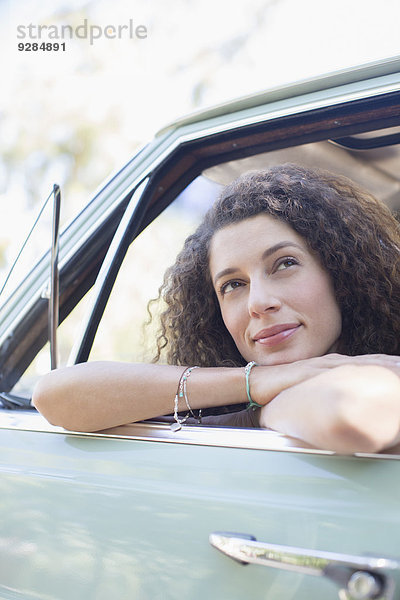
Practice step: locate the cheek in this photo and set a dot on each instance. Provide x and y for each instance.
(320, 302)
(233, 319)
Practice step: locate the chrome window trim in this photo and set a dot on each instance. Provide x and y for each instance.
(223, 437)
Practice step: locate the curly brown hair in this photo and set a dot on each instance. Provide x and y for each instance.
(355, 236)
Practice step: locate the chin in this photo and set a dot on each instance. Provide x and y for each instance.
(284, 358)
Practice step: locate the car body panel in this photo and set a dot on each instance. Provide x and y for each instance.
(351, 75)
(89, 516)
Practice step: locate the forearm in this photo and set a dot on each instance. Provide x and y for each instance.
(99, 395)
(348, 409)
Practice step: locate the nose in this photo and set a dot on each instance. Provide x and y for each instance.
(262, 299)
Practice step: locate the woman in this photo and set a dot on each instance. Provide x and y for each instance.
(296, 273)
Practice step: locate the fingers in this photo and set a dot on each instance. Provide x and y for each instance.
(269, 381)
(380, 360)
(334, 360)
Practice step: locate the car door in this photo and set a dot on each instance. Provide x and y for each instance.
(130, 513)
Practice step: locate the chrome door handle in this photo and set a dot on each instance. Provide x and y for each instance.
(359, 577)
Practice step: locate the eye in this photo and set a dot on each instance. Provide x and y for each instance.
(229, 286)
(285, 263)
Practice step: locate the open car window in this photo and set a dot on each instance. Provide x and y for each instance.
(178, 177)
(124, 332)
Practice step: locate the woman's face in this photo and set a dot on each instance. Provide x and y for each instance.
(276, 299)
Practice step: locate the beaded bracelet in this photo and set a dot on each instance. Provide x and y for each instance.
(182, 393)
(247, 370)
(183, 390)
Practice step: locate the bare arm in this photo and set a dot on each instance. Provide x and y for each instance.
(348, 409)
(100, 395)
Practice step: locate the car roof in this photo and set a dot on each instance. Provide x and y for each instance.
(354, 74)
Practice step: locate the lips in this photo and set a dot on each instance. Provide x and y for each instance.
(276, 334)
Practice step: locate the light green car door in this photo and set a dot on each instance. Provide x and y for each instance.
(94, 517)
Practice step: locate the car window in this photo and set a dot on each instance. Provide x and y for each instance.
(67, 332)
(123, 333)
(30, 243)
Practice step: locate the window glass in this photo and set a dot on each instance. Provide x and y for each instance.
(31, 240)
(66, 336)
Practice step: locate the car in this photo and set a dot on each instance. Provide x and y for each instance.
(140, 511)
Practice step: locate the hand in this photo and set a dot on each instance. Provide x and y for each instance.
(349, 409)
(268, 381)
(391, 362)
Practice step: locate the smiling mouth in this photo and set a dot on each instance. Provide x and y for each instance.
(276, 335)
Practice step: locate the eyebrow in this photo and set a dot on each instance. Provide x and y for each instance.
(279, 246)
(268, 252)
